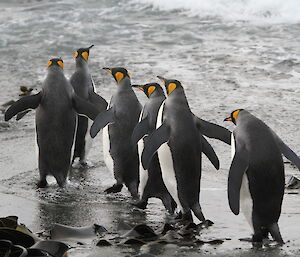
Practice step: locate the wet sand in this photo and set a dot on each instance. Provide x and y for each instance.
(83, 203)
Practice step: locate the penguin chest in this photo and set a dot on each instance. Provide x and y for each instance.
(246, 202)
(167, 164)
(106, 148)
(143, 173)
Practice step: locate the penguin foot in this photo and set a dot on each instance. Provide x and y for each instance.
(206, 223)
(141, 204)
(187, 216)
(42, 183)
(178, 216)
(116, 188)
(84, 164)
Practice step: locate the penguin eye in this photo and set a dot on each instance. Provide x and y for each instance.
(119, 76)
(171, 88)
(76, 54)
(61, 64)
(151, 90)
(49, 63)
(85, 56)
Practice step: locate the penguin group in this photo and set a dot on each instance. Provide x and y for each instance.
(155, 150)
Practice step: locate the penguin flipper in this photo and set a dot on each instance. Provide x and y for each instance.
(98, 101)
(287, 152)
(237, 169)
(212, 130)
(210, 152)
(83, 107)
(103, 119)
(153, 142)
(24, 103)
(20, 115)
(140, 130)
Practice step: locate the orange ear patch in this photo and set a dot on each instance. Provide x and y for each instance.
(151, 90)
(235, 114)
(61, 64)
(85, 56)
(119, 76)
(171, 88)
(76, 54)
(49, 63)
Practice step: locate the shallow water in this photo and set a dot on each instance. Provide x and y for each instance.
(245, 56)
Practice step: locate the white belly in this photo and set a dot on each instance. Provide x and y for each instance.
(106, 147)
(143, 173)
(88, 140)
(168, 173)
(246, 202)
(166, 164)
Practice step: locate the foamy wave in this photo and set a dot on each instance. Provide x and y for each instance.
(277, 11)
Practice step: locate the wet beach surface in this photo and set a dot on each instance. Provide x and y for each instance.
(224, 65)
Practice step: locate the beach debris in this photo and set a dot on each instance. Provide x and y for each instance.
(293, 183)
(25, 90)
(63, 232)
(133, 241)
(141, 231)
(18, 251)
(5, 246)
(54, 248)
(13, 235)
(16, 237)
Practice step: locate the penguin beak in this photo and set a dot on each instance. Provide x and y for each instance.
(228, 119)
(107, 70)
(161, 78)
(90, 47)
(138, 87)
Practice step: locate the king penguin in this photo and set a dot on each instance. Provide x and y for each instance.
(256, 176)
(84, 86)
(179, 143)
(56, 107)
(151, 182)
(118, 123)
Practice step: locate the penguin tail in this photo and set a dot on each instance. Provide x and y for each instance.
(198, 212)
(275, 233)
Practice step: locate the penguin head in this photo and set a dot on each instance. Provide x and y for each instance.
(149, 88)
(56, 62)
(83, 53)
(171, 84)
(233, 116)
(118, 73)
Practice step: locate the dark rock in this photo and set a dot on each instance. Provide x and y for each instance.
(103, 242)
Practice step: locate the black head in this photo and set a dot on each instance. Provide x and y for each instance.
(149, 88)
(56, 61)
(118, 73)
(170, 84)
(83, 53)
(234, 115)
